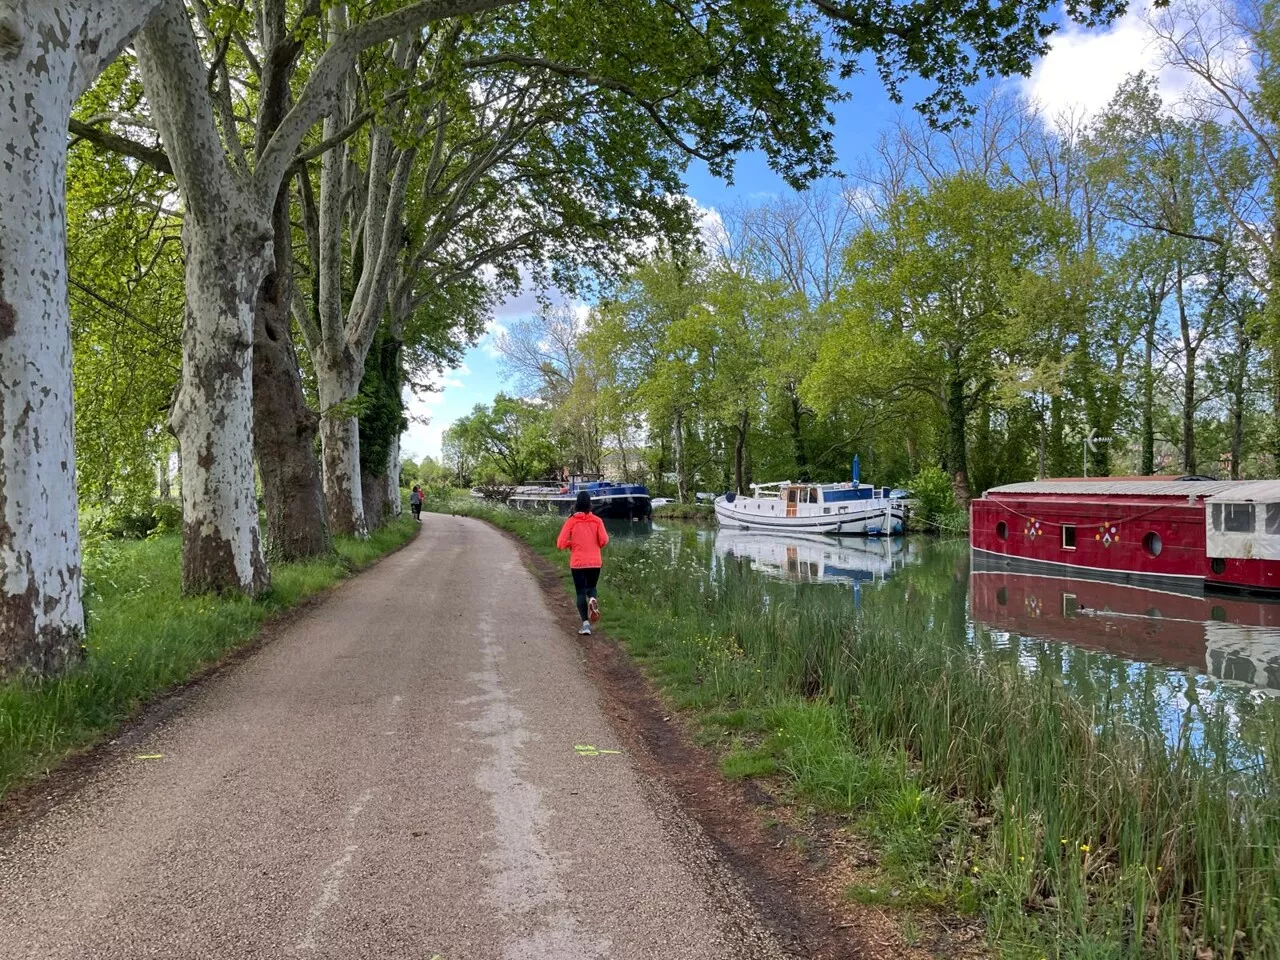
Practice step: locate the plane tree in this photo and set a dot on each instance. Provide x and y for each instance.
(51, 52)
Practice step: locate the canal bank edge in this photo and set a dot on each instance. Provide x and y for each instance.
(795, 864)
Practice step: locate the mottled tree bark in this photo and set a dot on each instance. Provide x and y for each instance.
(49, 53)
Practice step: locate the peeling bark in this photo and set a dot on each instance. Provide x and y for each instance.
(227, 241)
(376, 505)
(393, 478)
(49, 53)
(338, 380)
(284, 426)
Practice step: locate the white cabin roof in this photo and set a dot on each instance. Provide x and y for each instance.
(1243, 491)
(1233, 491)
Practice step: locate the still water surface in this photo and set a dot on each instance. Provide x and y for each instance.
(1168, 661)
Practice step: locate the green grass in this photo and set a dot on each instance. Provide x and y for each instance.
(684, 511)
(986, 787)
(144, 637)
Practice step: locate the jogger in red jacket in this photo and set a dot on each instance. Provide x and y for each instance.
(583, 535)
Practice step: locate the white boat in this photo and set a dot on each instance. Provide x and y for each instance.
(813, 558)
(857, 509)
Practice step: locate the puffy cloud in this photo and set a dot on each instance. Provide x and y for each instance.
(1085, 67)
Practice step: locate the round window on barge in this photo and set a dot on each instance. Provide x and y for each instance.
(1002, 530)
(1219, 566)
(1152, 544)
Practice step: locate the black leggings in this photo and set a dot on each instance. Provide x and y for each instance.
(584, 584)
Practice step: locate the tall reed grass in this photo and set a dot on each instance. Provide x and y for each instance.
(144, 637)
(1076, 829)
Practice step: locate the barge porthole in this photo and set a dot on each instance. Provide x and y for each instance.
(1152, 544)
(1219, 566)
(1002, 530)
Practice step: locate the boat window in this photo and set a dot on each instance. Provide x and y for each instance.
(1152, 544)
(1002, 530)
(1273, 518)
(1215, 519)
(1068, 537)
(1002, 596)
(826, 509)
(1218, 566)
(1070, 605)
(1237, 517)
(813, 494)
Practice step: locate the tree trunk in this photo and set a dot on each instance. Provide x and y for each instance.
(1148, 466)
(1042, 447)
(1188, 382)
(1239, 374)
(226, 236)
(338, 380)
(394, 505)
(374, 491)
(213, 413)
(739, 451)
(797, 435)
(682, 478)
(284, 426)
(41, 617)
(957, 454)
(164, 489)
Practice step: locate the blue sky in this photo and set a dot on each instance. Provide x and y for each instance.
(1082, 70)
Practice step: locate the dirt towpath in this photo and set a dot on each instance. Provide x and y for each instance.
(396, 775)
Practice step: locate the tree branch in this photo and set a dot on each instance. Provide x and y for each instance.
(322, 86)
(154, 157)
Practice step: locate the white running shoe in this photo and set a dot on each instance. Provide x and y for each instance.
(586, 629)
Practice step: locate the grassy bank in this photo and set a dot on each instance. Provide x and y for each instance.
(684, 511)
(984, 787)
(144, 637)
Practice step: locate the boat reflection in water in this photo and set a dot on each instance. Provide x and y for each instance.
(1236, 640)
(814, 558)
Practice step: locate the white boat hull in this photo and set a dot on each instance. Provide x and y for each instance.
(866, 518)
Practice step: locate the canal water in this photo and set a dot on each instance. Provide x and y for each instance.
(1165, 660)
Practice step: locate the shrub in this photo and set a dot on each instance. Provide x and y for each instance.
(934, 496)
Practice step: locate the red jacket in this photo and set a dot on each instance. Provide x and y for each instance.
(583, 535)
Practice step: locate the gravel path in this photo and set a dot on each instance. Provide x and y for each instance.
(396, 775)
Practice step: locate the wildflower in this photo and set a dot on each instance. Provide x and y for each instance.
(1022, 859)
(1084, 847)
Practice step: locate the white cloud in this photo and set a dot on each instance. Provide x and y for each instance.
(423, 408)
(1084, 67)
(489, 342)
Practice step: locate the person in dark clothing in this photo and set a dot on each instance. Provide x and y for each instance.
(583, 535)
(415, 502)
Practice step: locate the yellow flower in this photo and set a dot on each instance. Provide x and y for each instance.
(1084, 847)
(1022, 859)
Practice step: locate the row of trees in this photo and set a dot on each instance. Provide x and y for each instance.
(981, 299)
(367, 181)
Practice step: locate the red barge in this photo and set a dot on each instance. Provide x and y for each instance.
(1184, 536)
(1236, 639)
